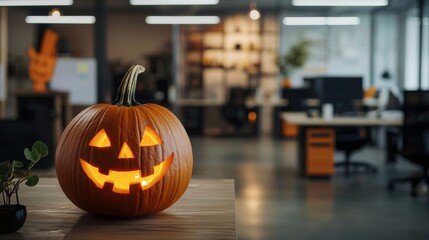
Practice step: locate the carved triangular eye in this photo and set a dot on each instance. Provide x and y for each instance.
(150, 138)
(100, 140)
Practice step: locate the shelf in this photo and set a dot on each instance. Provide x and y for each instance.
(237, 52)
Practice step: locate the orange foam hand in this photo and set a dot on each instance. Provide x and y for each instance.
(42, 64)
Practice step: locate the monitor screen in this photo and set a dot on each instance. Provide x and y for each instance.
(342, 92)
(310, 84)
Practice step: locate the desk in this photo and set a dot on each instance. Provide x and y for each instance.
(307, 123)
(205, 211)
(205, 116)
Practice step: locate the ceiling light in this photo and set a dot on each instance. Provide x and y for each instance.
(340, 2)
(174, 2)
(254, 13)
(182, 19)
(321, 21)
(55, 12)
(60, 19)
(35, 2)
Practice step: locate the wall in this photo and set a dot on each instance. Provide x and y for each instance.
(21, 34)
(335, 50)
(129, 38)
(77, 39)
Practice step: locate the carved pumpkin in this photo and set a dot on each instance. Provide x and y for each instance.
(124, 159)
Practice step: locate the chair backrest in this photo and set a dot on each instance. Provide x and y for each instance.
(296, 98)
(237, 96)
(415, 129)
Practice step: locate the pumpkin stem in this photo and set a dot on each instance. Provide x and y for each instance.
(127, 88)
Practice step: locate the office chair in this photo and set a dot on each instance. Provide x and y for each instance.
(234, 110)
(350, 139)
(415, 137)
(295, 98)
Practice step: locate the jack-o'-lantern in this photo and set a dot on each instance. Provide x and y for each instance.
(124, 159)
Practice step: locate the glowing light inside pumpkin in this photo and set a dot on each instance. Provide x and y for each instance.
(100, 140)
(122, 180)
(125, 152)
(150, 138)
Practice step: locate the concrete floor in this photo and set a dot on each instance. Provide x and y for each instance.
(273, 202)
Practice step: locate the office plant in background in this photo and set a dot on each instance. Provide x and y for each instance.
(295, 58)
(12, 174)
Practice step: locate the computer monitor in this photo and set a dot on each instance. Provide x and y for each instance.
(342, 92)
(310, 84)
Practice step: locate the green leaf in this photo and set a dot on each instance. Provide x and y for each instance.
(35, 155)
(32, 181)
(20, 173)
(40, 148)
(5, 168)
(28, 154)
(17, 164)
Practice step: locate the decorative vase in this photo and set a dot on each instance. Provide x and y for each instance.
(12, 218)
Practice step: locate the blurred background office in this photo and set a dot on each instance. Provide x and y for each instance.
(303, 103)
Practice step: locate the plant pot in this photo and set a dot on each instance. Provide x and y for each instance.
(12, 218)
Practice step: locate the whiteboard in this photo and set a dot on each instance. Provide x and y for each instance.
(78, 77)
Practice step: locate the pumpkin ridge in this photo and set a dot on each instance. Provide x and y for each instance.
(67, 132)
(140, 194)
(167, 178)
(178, 187)
(146, 113)
(98, 117)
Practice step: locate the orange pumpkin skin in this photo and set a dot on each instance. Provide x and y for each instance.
(124, 124)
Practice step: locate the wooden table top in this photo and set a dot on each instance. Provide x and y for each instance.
(205, 211)
(301, 119)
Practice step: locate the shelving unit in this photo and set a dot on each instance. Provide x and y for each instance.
(238, 52)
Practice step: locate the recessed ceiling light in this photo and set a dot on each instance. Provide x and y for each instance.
(321, 21)
(174, 2)
(182, 19)
(60, 19)
(35, 2)
(340, 2)
(254, 13)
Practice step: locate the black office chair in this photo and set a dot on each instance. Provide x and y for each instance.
(349, 140)
(234, 110)
(415, 137)
(295, 99)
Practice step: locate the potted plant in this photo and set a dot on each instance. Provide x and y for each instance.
(12, 174)
(295, 58)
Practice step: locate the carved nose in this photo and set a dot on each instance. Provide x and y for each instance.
(125, 152)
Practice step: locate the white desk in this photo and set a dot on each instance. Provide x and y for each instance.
(301, 119)
(305, 123)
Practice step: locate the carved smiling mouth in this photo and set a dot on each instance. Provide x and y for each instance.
(122, 180)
